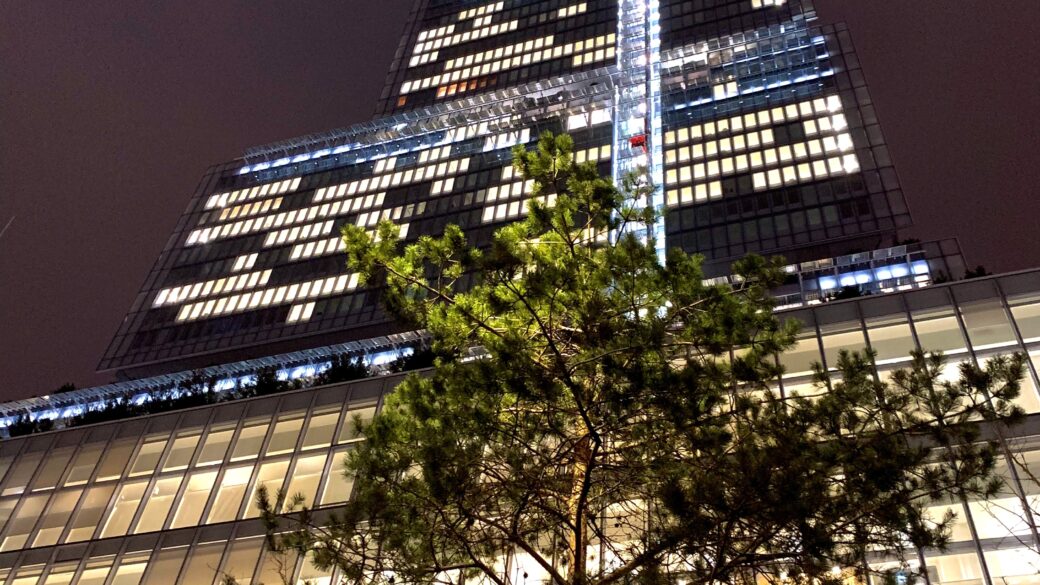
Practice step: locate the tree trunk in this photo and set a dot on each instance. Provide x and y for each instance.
(576, 561)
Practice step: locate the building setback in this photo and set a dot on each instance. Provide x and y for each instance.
(753, 121)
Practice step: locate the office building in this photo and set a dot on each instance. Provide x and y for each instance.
(753, 121)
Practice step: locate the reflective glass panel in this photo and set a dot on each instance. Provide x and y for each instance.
(338, 484)
(939, 331)
(349, 430)
(125, 507)
(192, 503)
(23, 521)
(18, 479)
(271, 476)
(283, 439)
(147, 457)
(241, 559)
(56, 517)
(84, 463)
(94, 576)
(799, 359)
(117, 455)
(181, 452)
(249, 441)
(89, 514)
(1027, 317)
(320, 430)
(52, 469)
(160, 500)
(202, 566)
(987, 324)
(129, 574)
(166, 566)
(215, 447)
(304, 480)
(229, 494)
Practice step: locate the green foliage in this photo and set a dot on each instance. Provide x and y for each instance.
(621, 424)
(977, 272)
(24, 425)
(846, 292)
(343, 368)
(199, 391)
(422, 357)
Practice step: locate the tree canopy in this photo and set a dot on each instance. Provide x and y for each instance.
(598, 416)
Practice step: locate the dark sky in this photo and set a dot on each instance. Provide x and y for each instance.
(110, 112)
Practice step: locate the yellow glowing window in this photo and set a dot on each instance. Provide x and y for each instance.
(759, 180)
(701, 192)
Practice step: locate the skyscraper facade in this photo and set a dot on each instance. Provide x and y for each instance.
(753, 122)
(755, 125)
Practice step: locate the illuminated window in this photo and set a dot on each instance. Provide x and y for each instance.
(181, 451)
(229, 494)
(283, 439)
(338, 484)
(22, 522)
(158, 505)
(18, 478)
(129, 573)
(56, 517)
(304, 479)
(203, 562)
(127, 501)
(117, 455)
(52, 469)
(270, 476)
(320, 430)
(249, 441)
(215, 447)
(191, 504)
(241, 559)
(95, 575)
(89, 514)
(147, 457)
(354, 417)
(165, 563)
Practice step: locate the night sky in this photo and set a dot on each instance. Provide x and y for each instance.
(110, 112)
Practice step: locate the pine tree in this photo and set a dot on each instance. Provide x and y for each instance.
(620, 423)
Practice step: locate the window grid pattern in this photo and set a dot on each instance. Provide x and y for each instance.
(304, 434)
(446, 55)
(424, 190)
(190, 475)
(772, 146)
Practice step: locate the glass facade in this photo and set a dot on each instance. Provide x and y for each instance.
(172, 499)
(169, 498)
(771, 142)
(754, 123)
(756, 127)
(255, 266)
(453, 48)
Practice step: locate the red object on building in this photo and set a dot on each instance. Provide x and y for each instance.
(638, 141)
